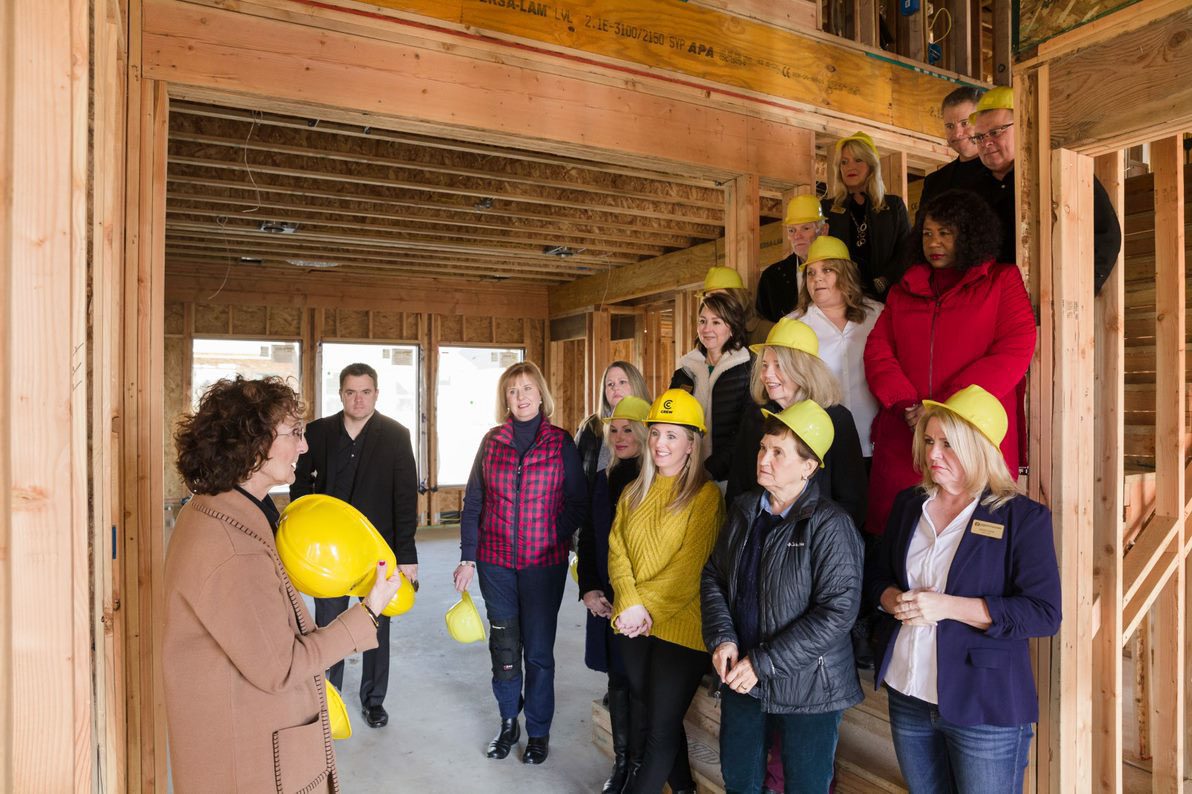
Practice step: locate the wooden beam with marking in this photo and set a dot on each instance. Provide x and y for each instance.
(742, 233)
(1145, 71)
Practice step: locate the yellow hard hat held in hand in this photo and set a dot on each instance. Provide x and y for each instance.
(330, 549)
(463, 620)
(337, 712)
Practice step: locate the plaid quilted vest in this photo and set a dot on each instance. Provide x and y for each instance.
(522, 500)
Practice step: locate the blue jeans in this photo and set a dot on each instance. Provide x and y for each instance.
(808, 746)
(940, 757)
(531, 596)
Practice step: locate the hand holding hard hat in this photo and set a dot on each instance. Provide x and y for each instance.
(330, 549)
(463, 620)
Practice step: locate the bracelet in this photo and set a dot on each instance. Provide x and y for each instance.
(371, 615)
(469, 563)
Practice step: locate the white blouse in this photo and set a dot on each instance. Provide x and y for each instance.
(913, 667)
(844, 353)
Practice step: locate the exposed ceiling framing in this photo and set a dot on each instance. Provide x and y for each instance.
(375, 201)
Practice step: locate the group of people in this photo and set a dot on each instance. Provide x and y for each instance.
(839, 497)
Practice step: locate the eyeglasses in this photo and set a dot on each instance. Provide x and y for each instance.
(298, 432)
(992, 135)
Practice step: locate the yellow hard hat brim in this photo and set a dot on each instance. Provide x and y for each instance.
(933, 404)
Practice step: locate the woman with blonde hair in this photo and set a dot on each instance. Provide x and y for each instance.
(525, 496)
(666, 524)
(788, 369)
(873, 223)
(965, 575)
(832, 303)
(620, 379)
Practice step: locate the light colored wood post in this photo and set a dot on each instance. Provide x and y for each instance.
(958, 50)
(1072, 474)
(1109, 324)
(742, 227)
(894, 174)
(141, 432)
(1167, 673)
(598, 352)
(47, 736)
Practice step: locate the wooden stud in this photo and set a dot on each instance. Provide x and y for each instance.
(1108, 324)
(1003, 31)
(1167, 672)
(894, 174)
(959, 54)
(597, 353)
(1072, 475)
(742, 232)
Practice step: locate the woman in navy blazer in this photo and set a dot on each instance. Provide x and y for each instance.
(965, 575)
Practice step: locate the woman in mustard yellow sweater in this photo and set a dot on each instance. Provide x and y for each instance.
(666, 526)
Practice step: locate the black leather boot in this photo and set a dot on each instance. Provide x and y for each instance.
(503, 742)
(618, 720)
(537, 749)
(637, 740)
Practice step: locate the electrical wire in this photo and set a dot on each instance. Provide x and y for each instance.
(935, 18)
(256, 117)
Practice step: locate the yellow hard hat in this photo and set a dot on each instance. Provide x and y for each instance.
(463, 620)
(573, 566)
(790, 333)
(722, 278)
(861, 138)
(810, 423)
(635, 409)
(1000, 98)
(337, 712)
(826, 247)
(980, 409)
(804, 209)
(331, 549)
(677, 407)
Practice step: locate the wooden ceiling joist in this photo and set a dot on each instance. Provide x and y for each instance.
(315, 206)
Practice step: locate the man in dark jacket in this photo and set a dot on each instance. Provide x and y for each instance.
(993, 132)
(965, 171)
(365, 459)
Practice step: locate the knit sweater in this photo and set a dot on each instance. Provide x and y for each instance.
(655, 556)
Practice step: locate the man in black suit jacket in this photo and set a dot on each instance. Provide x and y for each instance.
(366, 459)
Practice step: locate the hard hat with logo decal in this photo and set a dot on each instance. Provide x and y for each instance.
(463, 620)
(810, 423)
(633, 408)
(677, 407)
(791, 333)
(1000, 98)
(331, 549)
(860, 137)
(337, 713)
(826, 247)
(718, 278)
(804, 209)
(979, 408)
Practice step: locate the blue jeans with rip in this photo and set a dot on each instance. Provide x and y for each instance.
(532, 596)
(941, 757)
(808, 746)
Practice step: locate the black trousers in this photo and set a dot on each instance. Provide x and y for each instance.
(374, 676)
(666, 677)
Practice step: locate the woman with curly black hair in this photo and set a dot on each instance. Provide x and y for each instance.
(956, 318)
(243, 662)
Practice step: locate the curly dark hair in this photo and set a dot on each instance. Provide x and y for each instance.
(228, 438)
(978, 230)
(733, 311)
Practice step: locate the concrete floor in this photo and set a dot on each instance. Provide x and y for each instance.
(441, 708)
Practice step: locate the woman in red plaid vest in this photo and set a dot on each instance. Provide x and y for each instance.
(526, 495)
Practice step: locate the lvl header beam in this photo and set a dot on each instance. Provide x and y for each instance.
(711, 45)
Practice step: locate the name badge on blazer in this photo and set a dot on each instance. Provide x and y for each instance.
(988, 529)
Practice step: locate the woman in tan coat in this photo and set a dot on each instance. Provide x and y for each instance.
(243, 661)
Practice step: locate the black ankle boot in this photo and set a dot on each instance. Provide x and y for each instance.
(637, 740)
(503, 742)
(618, 720)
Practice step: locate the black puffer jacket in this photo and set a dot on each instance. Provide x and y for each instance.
(730, 397)
(588, 441)
(810, 580)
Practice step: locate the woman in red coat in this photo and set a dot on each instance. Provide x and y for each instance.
(956, 318)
